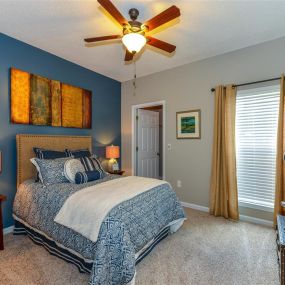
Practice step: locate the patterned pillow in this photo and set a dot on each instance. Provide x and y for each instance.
(48, 154)
(92, 163)
(51, 171)
(87, 176)
(71, 167)
(78, 153)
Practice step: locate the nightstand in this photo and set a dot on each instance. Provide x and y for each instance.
(2, 198)
(118, 172)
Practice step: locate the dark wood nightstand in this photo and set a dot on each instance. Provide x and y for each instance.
(2, 198)
(118, 172)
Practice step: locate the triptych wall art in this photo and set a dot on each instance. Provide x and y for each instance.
(37, 100)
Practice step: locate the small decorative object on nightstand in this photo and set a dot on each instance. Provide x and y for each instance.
(2, 198)
(118, 172)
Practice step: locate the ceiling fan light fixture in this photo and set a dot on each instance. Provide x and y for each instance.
(134, 42)
(134, 36)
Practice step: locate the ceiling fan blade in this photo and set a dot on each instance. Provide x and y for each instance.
(162, 18)
(113, 11)
(105, 38)
(129, 56)
(161, 44)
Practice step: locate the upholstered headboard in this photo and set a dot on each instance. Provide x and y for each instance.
(25, 144)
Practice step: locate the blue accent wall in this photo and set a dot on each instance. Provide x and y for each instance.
(106, 109)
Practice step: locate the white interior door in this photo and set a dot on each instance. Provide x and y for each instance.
(148, 143)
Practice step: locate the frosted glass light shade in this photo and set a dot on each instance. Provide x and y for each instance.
(112, 151)
(134, 42)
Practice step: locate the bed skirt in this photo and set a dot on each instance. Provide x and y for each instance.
(83, 265)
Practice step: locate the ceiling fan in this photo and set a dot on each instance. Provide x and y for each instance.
(134, 33)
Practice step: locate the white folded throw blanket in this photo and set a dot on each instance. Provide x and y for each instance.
(85, 210)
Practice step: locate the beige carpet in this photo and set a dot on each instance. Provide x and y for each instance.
(206, 251)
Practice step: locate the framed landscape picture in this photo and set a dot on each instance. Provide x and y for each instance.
(188, 124)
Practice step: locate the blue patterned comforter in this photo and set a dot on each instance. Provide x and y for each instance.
(126, 230)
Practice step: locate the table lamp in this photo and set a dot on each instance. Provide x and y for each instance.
(113, 152)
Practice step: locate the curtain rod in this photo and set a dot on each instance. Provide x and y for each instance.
(254, 82)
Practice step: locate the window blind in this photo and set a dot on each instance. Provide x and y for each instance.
(256, 138)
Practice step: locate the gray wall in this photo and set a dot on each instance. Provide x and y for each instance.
(188, 87)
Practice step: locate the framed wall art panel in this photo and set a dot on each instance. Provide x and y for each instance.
(188, 124)
(37, 100)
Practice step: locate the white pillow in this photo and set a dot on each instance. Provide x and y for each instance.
(71, 167)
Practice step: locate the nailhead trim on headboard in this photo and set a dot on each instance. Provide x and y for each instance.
(26, 142)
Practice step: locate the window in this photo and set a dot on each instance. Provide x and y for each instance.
(256, 138)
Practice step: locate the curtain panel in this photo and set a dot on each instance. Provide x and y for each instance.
(223, 189)
(280, 167)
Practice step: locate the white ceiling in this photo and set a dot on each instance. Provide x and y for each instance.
(205, 29)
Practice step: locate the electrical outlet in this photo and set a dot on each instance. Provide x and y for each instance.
(169, 146)
(179, 183)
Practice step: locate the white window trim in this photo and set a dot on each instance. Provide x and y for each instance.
(255, 206)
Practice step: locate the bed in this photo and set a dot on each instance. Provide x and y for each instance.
(129, 230)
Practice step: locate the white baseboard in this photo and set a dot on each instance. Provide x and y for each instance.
(195, 207)
(241, 217)
(8, 230)
(256, 221)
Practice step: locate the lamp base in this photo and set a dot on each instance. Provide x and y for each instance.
(113, 165)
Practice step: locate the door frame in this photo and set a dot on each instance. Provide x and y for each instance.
(134, 131)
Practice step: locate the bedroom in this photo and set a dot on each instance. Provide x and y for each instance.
(218, 43)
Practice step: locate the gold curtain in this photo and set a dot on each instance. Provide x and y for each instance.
(280, 178)
(224, 198)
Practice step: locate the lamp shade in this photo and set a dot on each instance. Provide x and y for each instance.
(112, 151)
(134, 42)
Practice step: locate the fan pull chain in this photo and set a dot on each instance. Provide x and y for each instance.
(135, 79)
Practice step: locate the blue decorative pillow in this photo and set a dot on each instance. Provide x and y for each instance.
(92, 163)
(51, 171)
(87, 176)
(78, 153)
(48, 154)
